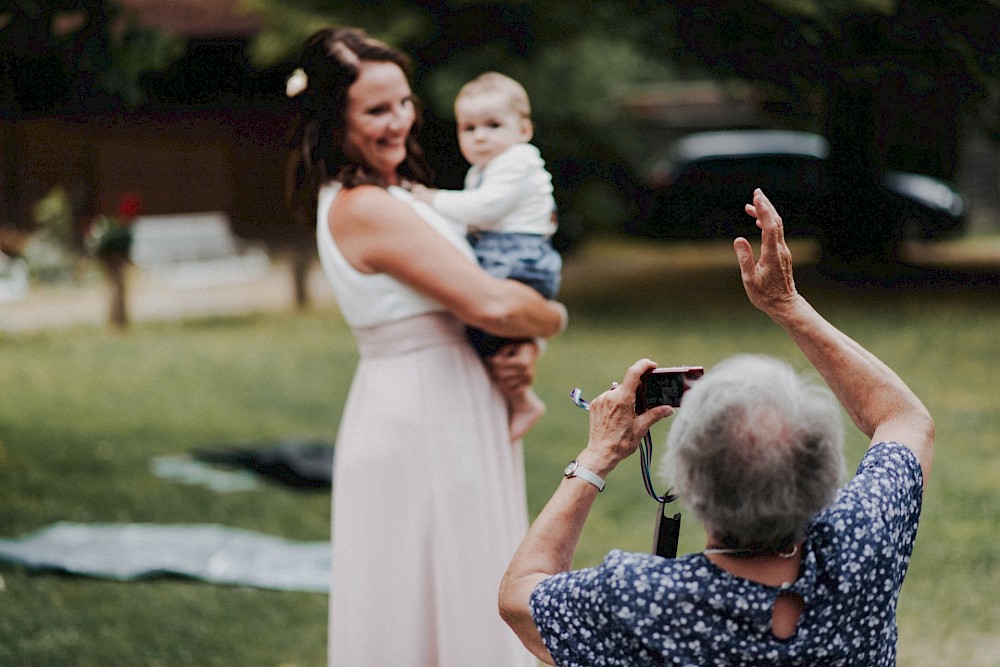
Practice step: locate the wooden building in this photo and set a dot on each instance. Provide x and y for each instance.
(212, 136)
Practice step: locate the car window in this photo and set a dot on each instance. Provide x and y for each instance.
(759, 171)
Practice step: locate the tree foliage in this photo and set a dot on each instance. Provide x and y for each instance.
(891, 79)
(888, 81)
(906, 62)
(74, 55)
(550, 46)
(576, 60)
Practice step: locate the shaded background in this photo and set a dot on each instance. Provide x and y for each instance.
(182, 101)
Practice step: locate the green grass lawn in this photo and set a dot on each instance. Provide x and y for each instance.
(83, 412)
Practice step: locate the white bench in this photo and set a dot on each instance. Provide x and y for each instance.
(13, 279)
(194, 249)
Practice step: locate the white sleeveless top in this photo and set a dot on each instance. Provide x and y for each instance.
(370, 299)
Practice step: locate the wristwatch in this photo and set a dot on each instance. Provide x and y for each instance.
(574, 469)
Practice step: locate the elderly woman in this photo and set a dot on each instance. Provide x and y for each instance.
(795, 572)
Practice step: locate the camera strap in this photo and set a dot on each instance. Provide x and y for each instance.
(645, 461)
(666, 535)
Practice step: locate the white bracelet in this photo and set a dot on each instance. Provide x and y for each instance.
(574, 469)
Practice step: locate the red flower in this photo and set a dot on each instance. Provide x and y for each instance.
(129, 206)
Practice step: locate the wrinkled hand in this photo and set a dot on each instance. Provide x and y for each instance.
(615, 429)
(768, 282)
(513, 366)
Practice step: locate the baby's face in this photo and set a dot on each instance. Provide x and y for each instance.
(487, 126)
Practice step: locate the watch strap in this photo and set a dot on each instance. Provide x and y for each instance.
(576, 470)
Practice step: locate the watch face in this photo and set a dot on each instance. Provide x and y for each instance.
(570, 469)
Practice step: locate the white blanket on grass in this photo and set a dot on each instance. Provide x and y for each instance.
(206, 552)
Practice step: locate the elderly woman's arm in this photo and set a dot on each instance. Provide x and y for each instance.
(548, 548)
(878, 401)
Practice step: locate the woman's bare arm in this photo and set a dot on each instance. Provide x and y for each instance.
(379, 234)
(549, 546)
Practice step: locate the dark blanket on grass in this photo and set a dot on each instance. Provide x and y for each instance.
(206, 552)
(305, 465)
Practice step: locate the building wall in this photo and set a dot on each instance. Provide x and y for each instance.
(177, 162)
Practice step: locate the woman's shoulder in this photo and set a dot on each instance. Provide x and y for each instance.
(366, 203)
(361, 196)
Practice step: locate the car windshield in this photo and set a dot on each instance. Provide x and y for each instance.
(706, 145)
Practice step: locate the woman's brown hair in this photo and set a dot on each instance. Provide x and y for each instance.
(329, 66)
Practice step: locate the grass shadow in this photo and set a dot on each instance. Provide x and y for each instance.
(614, 278)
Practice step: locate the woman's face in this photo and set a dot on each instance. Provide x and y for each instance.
(379, 116)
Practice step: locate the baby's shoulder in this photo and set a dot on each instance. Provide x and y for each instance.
(518, 155)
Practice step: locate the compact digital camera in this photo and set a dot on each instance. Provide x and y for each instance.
(665, 386)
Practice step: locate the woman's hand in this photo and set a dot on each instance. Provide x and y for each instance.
(615, 429)
(513, 366)
(768, 282)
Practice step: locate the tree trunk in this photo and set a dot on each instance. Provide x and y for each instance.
(115, 268)
(12, 214)
(301, 260)
(858, 234)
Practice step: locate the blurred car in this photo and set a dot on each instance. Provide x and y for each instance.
(930, 208)
(699, 190)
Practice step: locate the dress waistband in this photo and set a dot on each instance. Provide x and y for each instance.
(409, 335)
(490, 235)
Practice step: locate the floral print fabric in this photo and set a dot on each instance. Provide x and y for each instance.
(638, 609)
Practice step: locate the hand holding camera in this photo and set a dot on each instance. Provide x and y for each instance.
(665, 386)
(618, 414)
(657, 386)
(654, 388)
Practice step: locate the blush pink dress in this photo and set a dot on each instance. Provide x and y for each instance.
(428, 491)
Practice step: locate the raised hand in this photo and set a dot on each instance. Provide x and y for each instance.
(768, 282)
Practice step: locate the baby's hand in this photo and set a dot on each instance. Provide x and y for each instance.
(423, 193)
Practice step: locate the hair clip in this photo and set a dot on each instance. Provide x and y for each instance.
(296, 83)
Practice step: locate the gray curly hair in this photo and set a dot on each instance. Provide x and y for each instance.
(755, 451)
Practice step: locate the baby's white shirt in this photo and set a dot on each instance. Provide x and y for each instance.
(512, 193)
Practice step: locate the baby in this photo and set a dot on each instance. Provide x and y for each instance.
(506, 207)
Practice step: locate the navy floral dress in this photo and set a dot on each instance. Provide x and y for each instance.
(639, 609)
